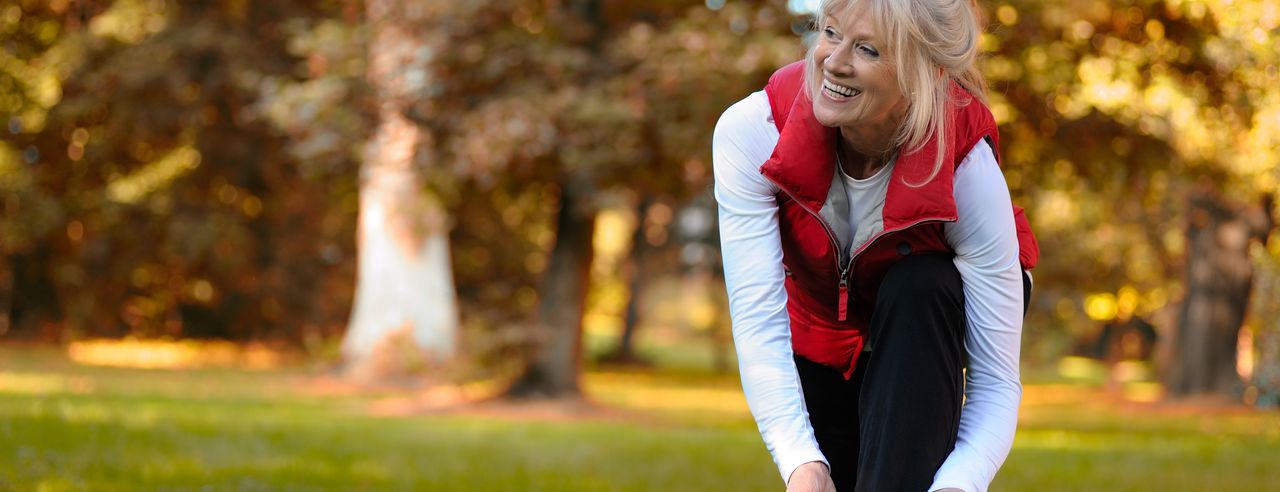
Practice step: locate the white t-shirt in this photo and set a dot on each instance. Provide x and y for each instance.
(866, 202)
(985, 242)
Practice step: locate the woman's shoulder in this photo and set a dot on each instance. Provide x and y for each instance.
(748, 124)
(747, 114)
(744, 139)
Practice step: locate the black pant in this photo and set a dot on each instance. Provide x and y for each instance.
(891, 425)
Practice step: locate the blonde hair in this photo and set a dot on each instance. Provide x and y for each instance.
(931, 42)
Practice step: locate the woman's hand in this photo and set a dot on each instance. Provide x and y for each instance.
(811, 477)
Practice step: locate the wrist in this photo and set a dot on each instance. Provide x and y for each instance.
(812, 467)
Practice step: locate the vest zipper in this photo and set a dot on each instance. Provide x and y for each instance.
(881, 234)
(842, 307)
(844, 296)
(842, 310)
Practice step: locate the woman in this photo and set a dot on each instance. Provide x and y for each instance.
(872, 254)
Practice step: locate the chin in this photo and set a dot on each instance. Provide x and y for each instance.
(825, 118)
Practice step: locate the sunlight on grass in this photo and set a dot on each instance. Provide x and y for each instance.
(83, 412)
(647, 393)
(1077, 441)
(1145, 392)
(41, 384)
(1054, 394)
(163, 354)
(1081, 368)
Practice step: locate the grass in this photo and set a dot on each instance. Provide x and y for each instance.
(69, 427)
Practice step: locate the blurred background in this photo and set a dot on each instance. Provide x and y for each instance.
(438, 245)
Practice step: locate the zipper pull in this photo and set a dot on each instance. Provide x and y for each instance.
(843, 308)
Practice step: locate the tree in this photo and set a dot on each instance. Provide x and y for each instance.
(636, 271)
(152, 196)
(405, 299)
(1112, 116)
(1219, 277)
(651, 82)
(553, 369)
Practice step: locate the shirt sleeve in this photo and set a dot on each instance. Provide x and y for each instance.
(751, 248)
(986, 245)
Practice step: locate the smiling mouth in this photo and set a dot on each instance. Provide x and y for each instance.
(838, 91)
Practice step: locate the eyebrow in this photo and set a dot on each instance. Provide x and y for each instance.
(829, 20)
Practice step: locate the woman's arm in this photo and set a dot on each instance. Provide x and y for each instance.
(752, 251)
(986, 245)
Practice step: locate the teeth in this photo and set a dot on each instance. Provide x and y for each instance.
(839, 89)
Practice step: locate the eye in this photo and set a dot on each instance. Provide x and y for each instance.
(830, 33)
(868, 50)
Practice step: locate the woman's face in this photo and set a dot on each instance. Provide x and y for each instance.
(859, 80)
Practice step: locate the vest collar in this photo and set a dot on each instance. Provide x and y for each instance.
(803, 165)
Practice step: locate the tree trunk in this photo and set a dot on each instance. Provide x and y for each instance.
(554, 369)
(6, 294)
(553, 372)
(34, 307)
(405, 310)
(1219, 278)
(634, 268)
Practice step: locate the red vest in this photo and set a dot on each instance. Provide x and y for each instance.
(830, 293)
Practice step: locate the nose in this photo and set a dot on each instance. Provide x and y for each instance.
(840, 60)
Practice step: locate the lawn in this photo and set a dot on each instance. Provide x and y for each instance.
(65, 426)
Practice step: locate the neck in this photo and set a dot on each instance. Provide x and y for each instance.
(866, 147)
(861, 157)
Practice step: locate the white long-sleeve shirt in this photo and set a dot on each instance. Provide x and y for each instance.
(985, 242)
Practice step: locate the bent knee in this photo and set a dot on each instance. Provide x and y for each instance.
(921, 277)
